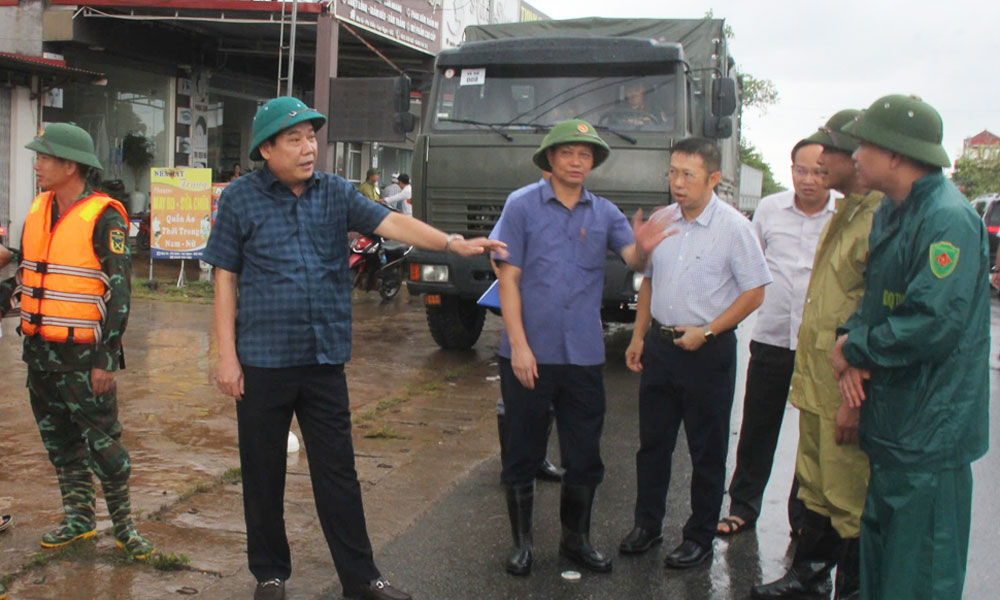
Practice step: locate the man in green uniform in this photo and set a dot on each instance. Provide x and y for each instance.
(915, 357)
(71, 384)
(831, 469)
(369, 187)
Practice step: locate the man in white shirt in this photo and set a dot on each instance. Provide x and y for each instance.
(788, 225)
(401, 200)
(701, 282)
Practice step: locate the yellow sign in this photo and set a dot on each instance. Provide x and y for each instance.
(180, 211)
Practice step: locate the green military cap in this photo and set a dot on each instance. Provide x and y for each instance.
(903, 124)
(573, 131)
(277, 115)
(831, 136)
(370, 172)
(64, 140)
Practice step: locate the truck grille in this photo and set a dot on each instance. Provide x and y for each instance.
(471, 212)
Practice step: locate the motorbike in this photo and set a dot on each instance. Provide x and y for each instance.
(378, 264)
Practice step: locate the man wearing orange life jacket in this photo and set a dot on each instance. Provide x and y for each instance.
(73, 291)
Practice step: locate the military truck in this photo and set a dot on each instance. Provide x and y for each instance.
(643, 83)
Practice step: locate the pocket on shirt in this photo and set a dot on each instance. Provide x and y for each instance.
(593, 249)
(712, 265)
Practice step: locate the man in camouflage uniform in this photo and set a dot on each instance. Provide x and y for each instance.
(72, 384)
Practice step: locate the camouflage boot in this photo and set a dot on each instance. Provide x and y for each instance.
(77, 490)
(126, 537)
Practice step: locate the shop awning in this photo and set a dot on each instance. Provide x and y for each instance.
(45, 66)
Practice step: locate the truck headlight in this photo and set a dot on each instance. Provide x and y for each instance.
(434, 273)
(637, 281)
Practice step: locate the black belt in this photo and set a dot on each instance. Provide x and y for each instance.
(668, 332)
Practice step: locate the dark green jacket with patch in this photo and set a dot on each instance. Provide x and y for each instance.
(923, 330)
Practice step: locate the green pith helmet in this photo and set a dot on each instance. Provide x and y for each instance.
(278, 115)
(573, 131)
(831, 136)
(64, 140)
(903, 124)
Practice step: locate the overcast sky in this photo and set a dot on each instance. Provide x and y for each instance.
(823, 57)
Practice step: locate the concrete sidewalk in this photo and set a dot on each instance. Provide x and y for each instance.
(430, 412)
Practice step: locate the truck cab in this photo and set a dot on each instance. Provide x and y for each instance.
(490, 105)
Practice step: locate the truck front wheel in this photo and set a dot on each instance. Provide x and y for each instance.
(455, 324)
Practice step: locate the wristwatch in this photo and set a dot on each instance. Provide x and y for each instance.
(709, 336)
(451, 238)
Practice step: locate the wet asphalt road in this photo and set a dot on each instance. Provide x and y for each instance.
(456, 550)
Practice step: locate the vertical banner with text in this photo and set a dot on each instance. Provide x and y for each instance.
(181, 207)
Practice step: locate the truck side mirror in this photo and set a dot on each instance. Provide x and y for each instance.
(718, 128)
(404, 123)
(723, 97)
(401, 94)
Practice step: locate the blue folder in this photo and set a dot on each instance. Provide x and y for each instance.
(491, 297)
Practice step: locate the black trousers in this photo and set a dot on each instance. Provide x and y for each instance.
(317, 395)
(768, 377)
(696, 389)
(576, 394)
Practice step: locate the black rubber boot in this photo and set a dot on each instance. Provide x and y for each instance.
(520, 501)
(817, 552)
(849, 571)
(575, 506)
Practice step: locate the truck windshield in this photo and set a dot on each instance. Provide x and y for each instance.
(470, 98)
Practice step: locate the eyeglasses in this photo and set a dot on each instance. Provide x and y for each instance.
(804, 172)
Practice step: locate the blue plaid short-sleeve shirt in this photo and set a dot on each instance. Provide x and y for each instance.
(290, 256)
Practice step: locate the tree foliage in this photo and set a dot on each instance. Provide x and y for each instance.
(749, 155)
(977, 176)
(757, 93)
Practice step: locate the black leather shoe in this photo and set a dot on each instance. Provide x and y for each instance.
(272, 589)
(803, 581)
(639, 540)
(689, 554)
(378, 589)
(549, 472)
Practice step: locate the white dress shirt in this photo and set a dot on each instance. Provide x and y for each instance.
(698, 272)
(789, 238)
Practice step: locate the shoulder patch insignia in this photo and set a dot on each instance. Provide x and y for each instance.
(943, 258)
(116, 241)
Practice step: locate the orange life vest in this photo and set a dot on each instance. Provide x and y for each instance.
(63, 290)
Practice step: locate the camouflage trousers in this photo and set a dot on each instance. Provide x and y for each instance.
(81, 433)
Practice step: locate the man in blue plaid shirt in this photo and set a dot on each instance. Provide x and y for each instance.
(283, 320)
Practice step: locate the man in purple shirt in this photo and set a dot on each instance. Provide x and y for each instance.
(552, 352)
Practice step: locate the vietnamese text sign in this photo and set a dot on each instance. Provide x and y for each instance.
(414, 23)
(180, 212)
